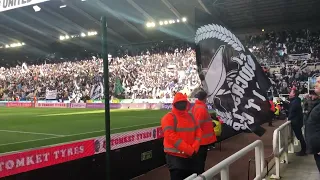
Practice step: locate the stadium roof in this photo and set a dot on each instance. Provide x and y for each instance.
(127, 18)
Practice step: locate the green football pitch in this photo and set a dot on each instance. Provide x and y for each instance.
(24, 128)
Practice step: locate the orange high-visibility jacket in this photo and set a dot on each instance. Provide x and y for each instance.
(204, 121)
(181, 133)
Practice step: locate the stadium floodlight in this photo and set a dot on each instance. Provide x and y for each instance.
(161, 23)
(63, 6)
(91, 33)
(165, 22)
(262, 30)
(170, 22)
(151, 24)
(184, 19)
(13, 45)
(36, 8)
(62, 38)
(67, 37)
(173, 21)
(178, 20)
(83, 35)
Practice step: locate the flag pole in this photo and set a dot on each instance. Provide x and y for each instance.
(106, 92)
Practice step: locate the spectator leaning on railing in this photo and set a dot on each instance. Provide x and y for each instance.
(313, 127)
(296, 118)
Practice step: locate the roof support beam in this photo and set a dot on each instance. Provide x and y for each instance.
(43, 22)
(10, 38)
(97, 22)
(137, 7)
(204, 7)
(64, 19)
(24, 25)
(23, 35)
(175, 12)
(121, 18)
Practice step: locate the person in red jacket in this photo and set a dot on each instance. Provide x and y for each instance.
(181, 139)
(204, 121)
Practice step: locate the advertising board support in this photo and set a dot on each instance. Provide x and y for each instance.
(106, 93)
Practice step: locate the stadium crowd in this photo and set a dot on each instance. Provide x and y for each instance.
(159, 71)
(274, 47)
(149, 75)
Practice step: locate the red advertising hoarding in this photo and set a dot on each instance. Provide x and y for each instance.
(34, 159)
(19, 104)
(52, 105)
(15, 163)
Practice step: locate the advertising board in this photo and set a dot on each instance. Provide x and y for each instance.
(11, 164)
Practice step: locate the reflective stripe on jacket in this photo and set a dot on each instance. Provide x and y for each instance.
(203, 119)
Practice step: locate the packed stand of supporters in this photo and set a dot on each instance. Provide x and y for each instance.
(293, 54)
(159, 70)
(153, 73)
(288, 77)
(274, 47)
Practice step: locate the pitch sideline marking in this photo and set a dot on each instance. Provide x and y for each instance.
(138, 125)
(72, 113)
(25, 132)
(87, 112)
(70, 135)
(34, 140)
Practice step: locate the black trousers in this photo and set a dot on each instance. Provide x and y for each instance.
(180, 174)
(317, 159)
(201, 158)
(181, 168)
(271, 117)
(298, 132)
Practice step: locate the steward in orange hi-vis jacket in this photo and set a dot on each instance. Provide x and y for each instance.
(181, 139)
(203, 119)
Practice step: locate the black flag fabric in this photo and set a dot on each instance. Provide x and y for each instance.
(233, 79)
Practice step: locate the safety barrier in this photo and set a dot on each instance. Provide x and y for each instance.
(282, 143)
(223, 166)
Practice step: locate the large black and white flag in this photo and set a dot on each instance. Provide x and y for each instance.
(233, 79)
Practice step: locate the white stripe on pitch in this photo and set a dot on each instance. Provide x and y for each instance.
(70, 135)
(138, 125)
(25, 132)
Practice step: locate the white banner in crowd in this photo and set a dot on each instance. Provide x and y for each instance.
(51, 94)
(299, 57)
(6, 5)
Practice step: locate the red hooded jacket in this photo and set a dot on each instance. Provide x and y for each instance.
(181, 133)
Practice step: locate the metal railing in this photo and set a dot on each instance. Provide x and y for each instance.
(223, 166)
(282, 143)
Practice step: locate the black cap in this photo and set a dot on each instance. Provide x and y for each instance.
(201, 95)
